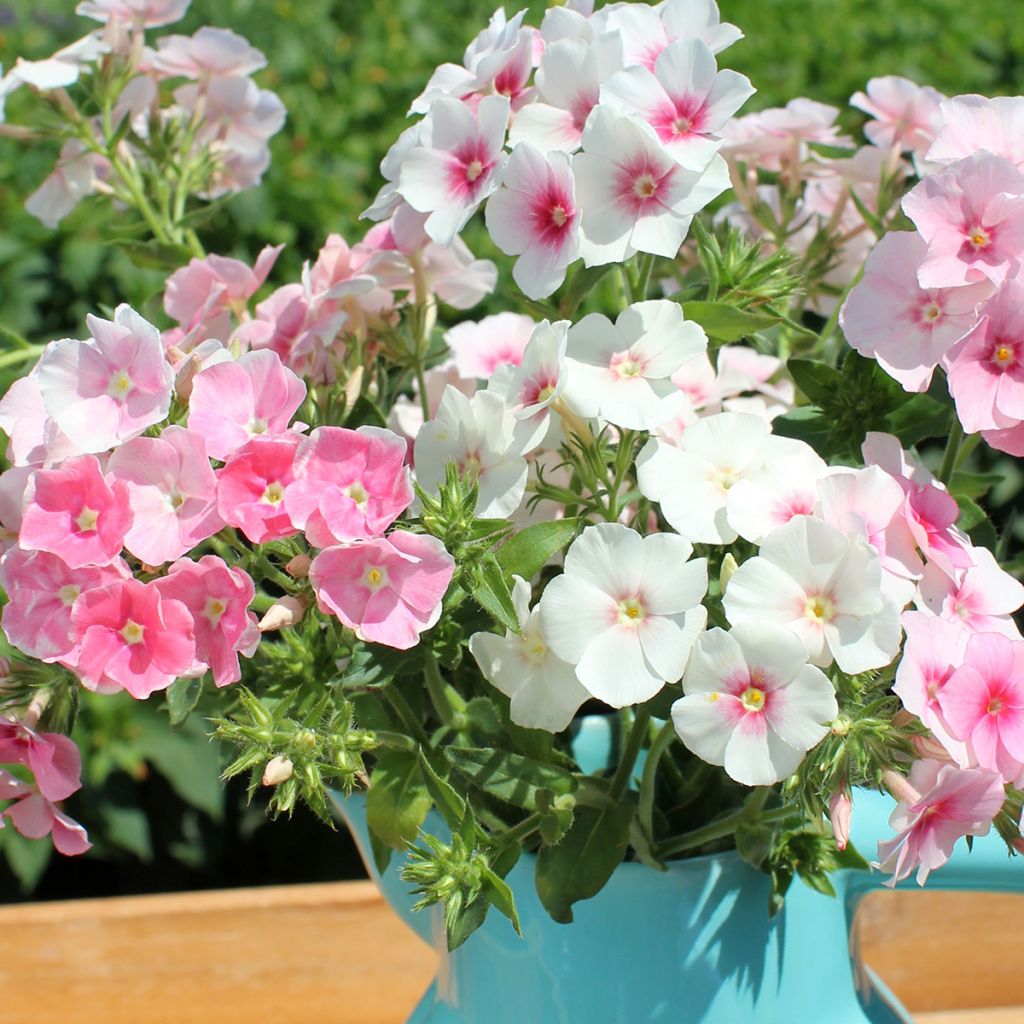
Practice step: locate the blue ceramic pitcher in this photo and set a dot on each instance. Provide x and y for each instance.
(691, 945)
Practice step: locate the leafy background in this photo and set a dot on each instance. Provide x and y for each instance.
(347, 71)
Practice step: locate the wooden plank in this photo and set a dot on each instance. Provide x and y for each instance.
(1004, 1015)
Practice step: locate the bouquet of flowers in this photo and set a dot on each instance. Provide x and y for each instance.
(384, 546)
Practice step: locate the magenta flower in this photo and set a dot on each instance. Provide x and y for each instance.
(34, 816)
(348, 484)
(172, 491)
(251, 487)
(132, 639)
(218, 599)
(389, 590)
(51, 757)
(534, 216)
(940, 804)
(972, 217)
(74, 512)
(234, 402)
(112, 386)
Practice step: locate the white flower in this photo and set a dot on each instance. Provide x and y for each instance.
(752, 703)
(621, 371)
(544, 690)
(536, 384)
(626, 611)
(824, 585)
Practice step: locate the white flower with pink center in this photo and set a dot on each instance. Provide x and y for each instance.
(534, 216)
(972, 123)
(480, 347)
(752, 703)
(112, 386)
(543, 690)
(684, 98)
(972, 218)
(538, 382)
(456, 167)
(903, 113)
(908, 329)
(635, 196)
(621, 371)
(626, 611)
(825, 586)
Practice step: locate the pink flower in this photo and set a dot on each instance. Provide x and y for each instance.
(232, 403)
(136, 13)
(42, 589)
(172, 490)
(972, 217)
(908, 329)
(132, 639)
(75, 513)
(348, 484)
(110, 387)
(905, 114)
(51, 757)
(779, 136)
(251, 488)
(480, 347)
(34, 438)
(34, 816)
(210, 53)
(456, 166)
(73, 178)
(971, 123)
(218, 598)
(389, 590)
(13, 483)
(534, 216)
(940, 803)
(983, 704)
(840, 814)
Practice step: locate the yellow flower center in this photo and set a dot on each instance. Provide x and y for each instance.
(631, 612)
(119, 385)
(473, 170)
(752, 699)
(558, 216)
(87, 519)
(995, 705)
(68, 593)
(820, 609)
(376, 576)
(357, 492)
(979, 237)
(932, 312)
(1003, 355)
(645, 186)
(274, 494)
(214, 609)
(132, 632)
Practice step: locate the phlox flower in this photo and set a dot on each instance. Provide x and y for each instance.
(455, 276)
(42, 589)
(209, 54)
(348, 484)
(389, 589)
(59, 70)
(626, 611)
(903, 113)
(824, 585)
(620, 372)
(13, 484)
(534, 216)
(982, 702)
(252, 484)
(908, 329)
(34, 439)
(456, 166)
(480, 347)
(233, 402)
(136, 13)
(74, 512)
(771, 138)
(478, 434)
(752, 703)
(406, 416)
(635, 196)
(971, 123)
(942, 803)
(218, 598)
(72, 179)
(52, 758)
(34, 816)
(684, 97)
(972, 218)
(110, 387)
(543, 690)
(537, 383)
(131, 638)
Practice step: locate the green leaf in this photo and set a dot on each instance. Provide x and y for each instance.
(973, 485)
(582, 283)
(398, 800)
(808, 424)
(27, 858)
(381, 853)
(499, 895)
(364, 413)
(510, 777)
(371, 667)
(531, 549)
(971, 514)
(467, 922)
(818, 381)
(852, 859)
(182, 697)
(449, 804)
(491, 591)
(754, 842)
(919, 418)
(580, 865)
(726, 323)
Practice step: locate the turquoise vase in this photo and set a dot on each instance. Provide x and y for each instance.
(691, 945)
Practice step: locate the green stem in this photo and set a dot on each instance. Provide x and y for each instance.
(436, 690)
(22, 355)
(405, 713)
(634, 741)
(706, 250)
(395, 740)
(643, 277)
(720, 829)
(421, 385)
(15, 337)
(648, 780)
(956, 436)
(519, 832)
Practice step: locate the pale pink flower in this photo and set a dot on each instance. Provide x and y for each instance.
(52, 758)
(74, 512)
(132, 639)
(534, 216)
(406, 416)
(42, 589)
(136, 13)
(218, 599)
(456, 166)
(971, 123)
(60, 69)
(940, 804)
(480, 347)
(779, 136)
(626, 611)
(684, 98)
(251, 487)
(634, 195)
(903, 113)
(112, 386)
(34, 817)
(73, 178)
(13, 484)
(1006, 439)
(389, 590)
(33, 437)
(232, 403)
(752, 703)
(348, 484)
(209, 54)
(908, 329)
(455, 276)
(172, 491)
(972, 218)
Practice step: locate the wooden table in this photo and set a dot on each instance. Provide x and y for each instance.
(335, 954)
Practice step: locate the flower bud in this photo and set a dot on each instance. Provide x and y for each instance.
(840, 811)
(930, 748)
(286, 611)
(729, 566)
(278, 770)
(298, 566)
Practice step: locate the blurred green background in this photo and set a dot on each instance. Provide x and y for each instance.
(347, 70)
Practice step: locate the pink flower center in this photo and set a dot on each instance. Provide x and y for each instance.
(626, 365)
(929, 313)
(642, 183)
(995, 705)
(979, 237)
(680, 117)
(538, 390)
(469, 170)
(473, 170)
